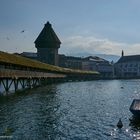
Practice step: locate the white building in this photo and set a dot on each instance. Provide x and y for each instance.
(98, 64)
(128, 66)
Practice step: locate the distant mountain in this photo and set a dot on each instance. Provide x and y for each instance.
(108, 57)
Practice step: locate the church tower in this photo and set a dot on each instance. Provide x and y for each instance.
(122, 53)
(47, 44)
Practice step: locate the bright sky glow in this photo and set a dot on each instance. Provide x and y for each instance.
(91, 26)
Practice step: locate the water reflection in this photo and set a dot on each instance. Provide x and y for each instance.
(31, 115)
(135, 123)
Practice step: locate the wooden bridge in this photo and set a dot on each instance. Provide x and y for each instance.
(18, 72)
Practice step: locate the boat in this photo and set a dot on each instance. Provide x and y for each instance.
(135, 107)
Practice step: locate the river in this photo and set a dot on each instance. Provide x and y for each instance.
(72, 111)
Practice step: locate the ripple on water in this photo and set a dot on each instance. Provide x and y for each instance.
(74, 110)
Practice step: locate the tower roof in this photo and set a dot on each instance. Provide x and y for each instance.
(47, 35)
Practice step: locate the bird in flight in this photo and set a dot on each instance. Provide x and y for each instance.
(7, 38)
(22, 31)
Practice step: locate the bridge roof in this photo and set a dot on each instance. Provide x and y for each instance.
(22, 61)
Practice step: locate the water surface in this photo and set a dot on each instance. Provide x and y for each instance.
(73, 110)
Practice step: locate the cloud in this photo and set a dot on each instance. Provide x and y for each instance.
(90, 44)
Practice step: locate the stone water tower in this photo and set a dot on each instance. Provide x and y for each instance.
(47, 44)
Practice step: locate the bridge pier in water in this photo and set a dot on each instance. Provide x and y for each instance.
(13, 84)
(8, 85)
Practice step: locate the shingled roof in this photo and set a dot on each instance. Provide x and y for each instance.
(129, 58)
(47, 35)
(18, 60)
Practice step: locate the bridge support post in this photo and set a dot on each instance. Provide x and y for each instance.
(16, 84)
(38, 81)
(29, 83)
(6, 84)
(22, 82)
(35, 81)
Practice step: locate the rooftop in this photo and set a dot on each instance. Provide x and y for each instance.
(22, 61)
(95, 58)
(29, 54)
(47, 35)
(129, 58)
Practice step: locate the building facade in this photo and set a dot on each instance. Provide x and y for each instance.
(128, 67)
(101, 65)
(70, 62)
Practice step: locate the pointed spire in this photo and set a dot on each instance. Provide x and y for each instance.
(122, 53)
(48, 24)
(47, 36)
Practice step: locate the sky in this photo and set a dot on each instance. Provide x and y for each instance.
(83, 26)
